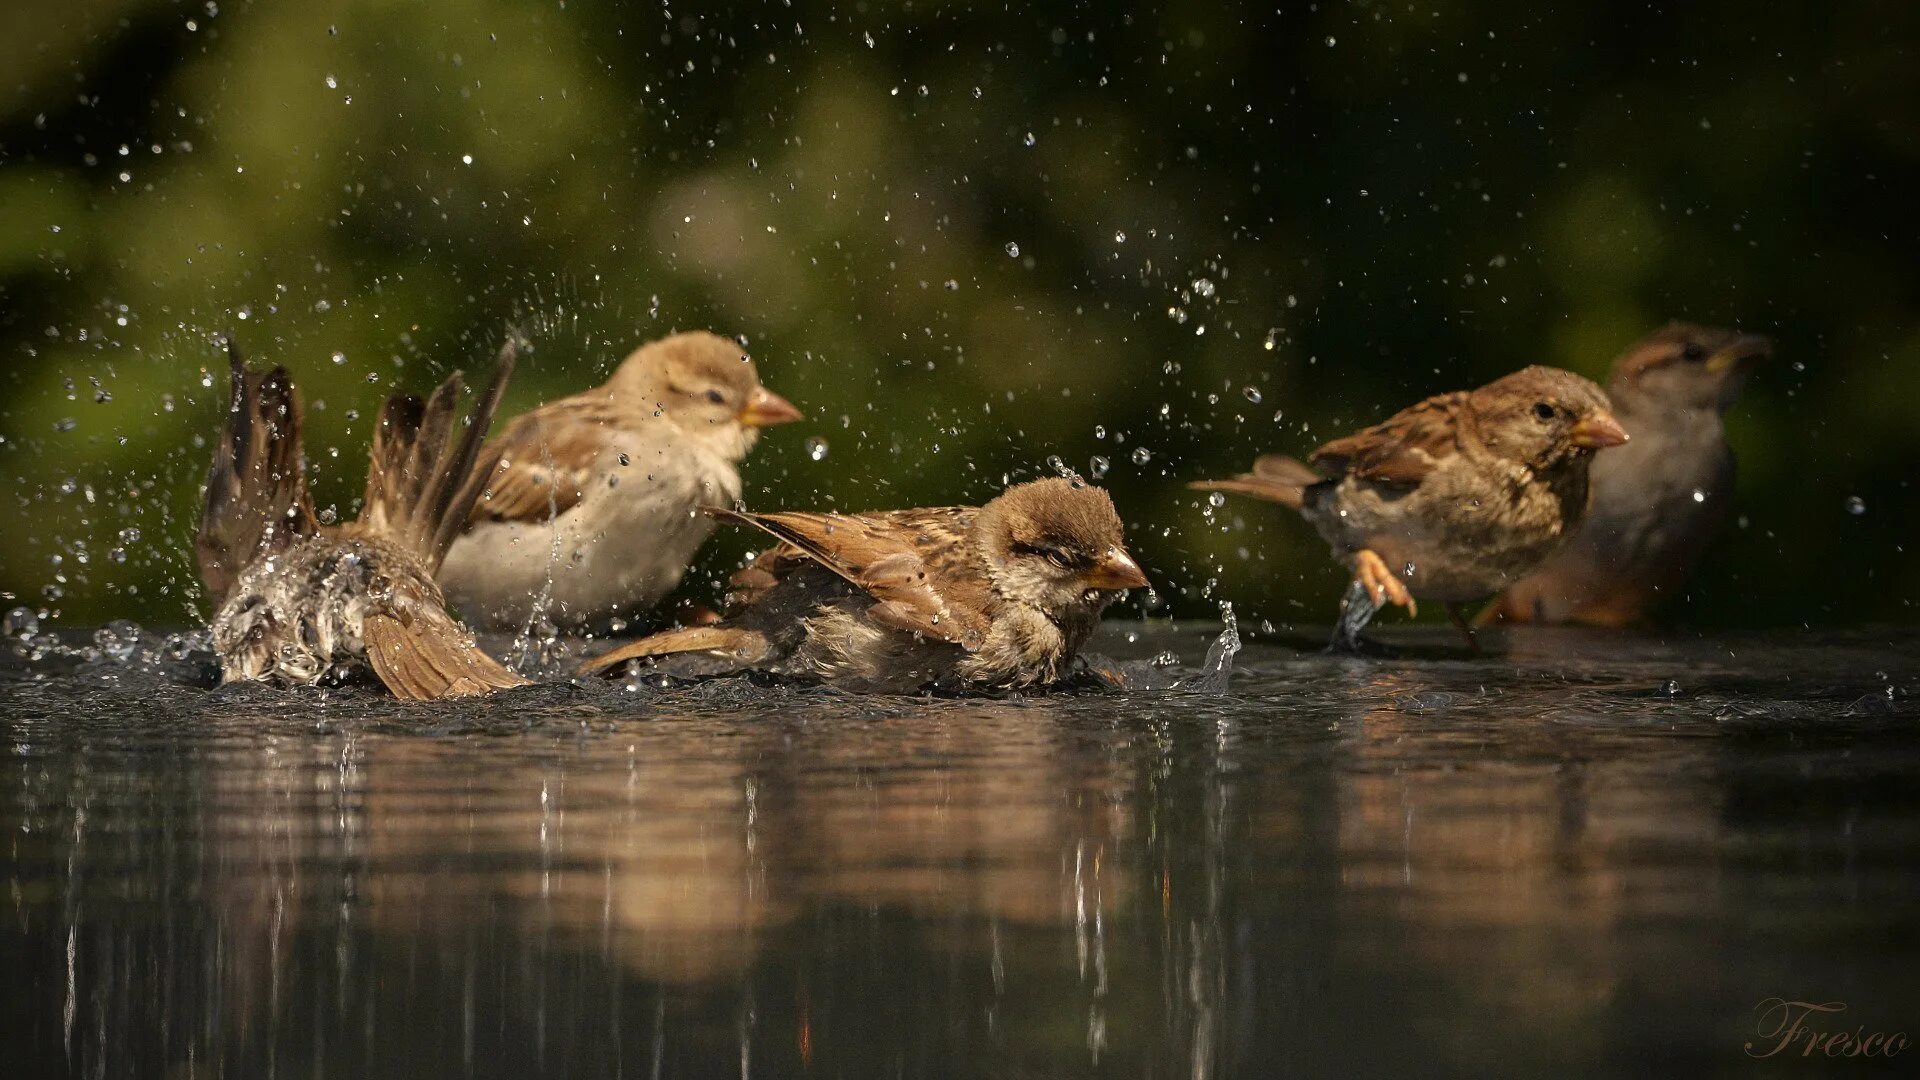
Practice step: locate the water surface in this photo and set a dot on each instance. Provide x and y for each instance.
(1591, 854)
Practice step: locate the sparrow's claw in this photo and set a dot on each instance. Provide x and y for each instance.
(1382, 585)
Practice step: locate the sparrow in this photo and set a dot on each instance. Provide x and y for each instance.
(1658, 501)
(591, 511)
(1452, 499)
(295, 600)
(956, 598)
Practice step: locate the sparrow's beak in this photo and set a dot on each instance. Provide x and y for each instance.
(1115, 570)
(1597, 430)
(764, 408)
(1742, 353)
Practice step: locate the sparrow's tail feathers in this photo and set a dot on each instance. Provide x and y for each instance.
(736, 646)
(256, 499)
(427, 467)
(430, 657)
(1275, 478)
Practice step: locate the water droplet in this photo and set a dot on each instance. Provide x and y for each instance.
(119, 639)
(1013, 250)
(1272, 338)
(1671, 688)
(339, 358)
(1251, 393)
(1142, 455)
(1856, 505)
(1330, 41)
(333, 83)
(1119, 237)
(1097, 466)
(466, 159)
(1216, 499)
(1202, 287)
(1029, 140)
(21, 622)
(817, 448)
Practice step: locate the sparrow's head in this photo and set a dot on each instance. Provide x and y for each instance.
(1544, 417)
(1057, 544)
(1682, 366)
(705, 385)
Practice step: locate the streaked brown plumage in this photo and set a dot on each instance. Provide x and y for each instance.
(593, 502)
(297, 601)
(1658, 501)
(997, 597)
(1453, 498)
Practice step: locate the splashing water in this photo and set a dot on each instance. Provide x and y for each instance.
(1217, 672)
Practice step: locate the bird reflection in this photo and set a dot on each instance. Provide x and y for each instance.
(607, 881)
(696, 845)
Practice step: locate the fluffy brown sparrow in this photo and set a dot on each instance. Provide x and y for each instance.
(296, 600)
(1452, 499)
(954, 597)
(592, 511)
(1658, 501)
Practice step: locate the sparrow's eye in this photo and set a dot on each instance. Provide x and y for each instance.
(1542, 410)
(717, 397)
(1052, 554)
(1694, 351)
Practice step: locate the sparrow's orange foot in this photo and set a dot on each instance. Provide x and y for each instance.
(1382, 584)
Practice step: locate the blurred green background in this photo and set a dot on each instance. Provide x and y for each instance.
(964, 242)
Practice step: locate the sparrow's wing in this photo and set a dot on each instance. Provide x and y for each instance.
(426, 467)
(1401, 450)
(425, 656)
(914, 563)
(543, 462)
(256, 500)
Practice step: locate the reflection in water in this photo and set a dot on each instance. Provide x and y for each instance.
(1427, 865)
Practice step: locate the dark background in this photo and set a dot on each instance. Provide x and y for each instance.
(1401, 199)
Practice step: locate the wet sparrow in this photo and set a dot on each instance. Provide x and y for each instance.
(1659, 500)
(998, 597)
(592, 509)
(296, 600)
(1452, 499)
